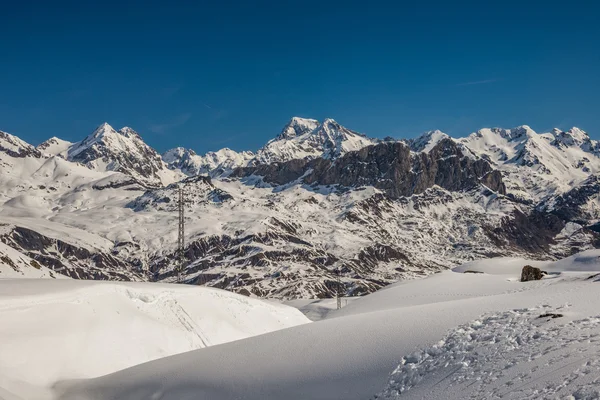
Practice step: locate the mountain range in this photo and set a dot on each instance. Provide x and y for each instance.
(316, 199)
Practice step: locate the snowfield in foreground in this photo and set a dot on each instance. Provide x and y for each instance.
(452, 335)
(52, 330)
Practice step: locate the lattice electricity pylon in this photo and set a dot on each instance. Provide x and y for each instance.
(338, 291)
(181, 236)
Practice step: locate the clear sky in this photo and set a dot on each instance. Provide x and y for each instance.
(212, 74)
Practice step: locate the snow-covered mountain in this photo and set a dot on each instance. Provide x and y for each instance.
(214, 163)
(534, 165)
(426, 141)
(107, 149)
(308, 139)
(15, 147)
(318, 197)
(301, 138)
(55, 146)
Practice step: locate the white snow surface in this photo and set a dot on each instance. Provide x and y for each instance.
(55, 146)
(66, 329)
(427, 141)
(449, 336)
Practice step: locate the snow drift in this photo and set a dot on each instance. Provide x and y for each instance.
(53, 330)
(351, 354)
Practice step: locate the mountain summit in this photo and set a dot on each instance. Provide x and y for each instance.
(123, 151)
(307, 139)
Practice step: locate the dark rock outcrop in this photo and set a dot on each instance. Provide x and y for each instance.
(530, 273)
(68, 259)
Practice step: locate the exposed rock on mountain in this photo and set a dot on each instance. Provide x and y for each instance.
(67, 259)
(198, 190)
(391, 167)
(55, 147)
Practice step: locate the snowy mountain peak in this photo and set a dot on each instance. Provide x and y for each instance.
(572, 137)
(298, 127)
(427, 141)
(129, 133)
(176, 154)
(307, 138)
(55, 146)
(102, 130)
(15, 147)
(121, 151)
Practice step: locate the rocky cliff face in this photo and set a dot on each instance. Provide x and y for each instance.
(389, 166)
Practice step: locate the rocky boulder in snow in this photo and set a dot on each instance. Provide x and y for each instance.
(530, 273)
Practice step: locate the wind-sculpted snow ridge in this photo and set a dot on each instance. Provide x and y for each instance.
(518, 354)
(71, 329)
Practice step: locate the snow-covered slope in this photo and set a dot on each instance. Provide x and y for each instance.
(55, 146)
(535, 165)
(427, 141)
(450, 336)
(79, 329)
(17, 265)
(14, 147)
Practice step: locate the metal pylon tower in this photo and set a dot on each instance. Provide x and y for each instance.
(181, 236)
(338, 290)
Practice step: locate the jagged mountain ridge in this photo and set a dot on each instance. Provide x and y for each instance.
(217, 163)
(379, 210)
(301, 138)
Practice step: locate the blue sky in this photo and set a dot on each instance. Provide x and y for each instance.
(207, 75)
